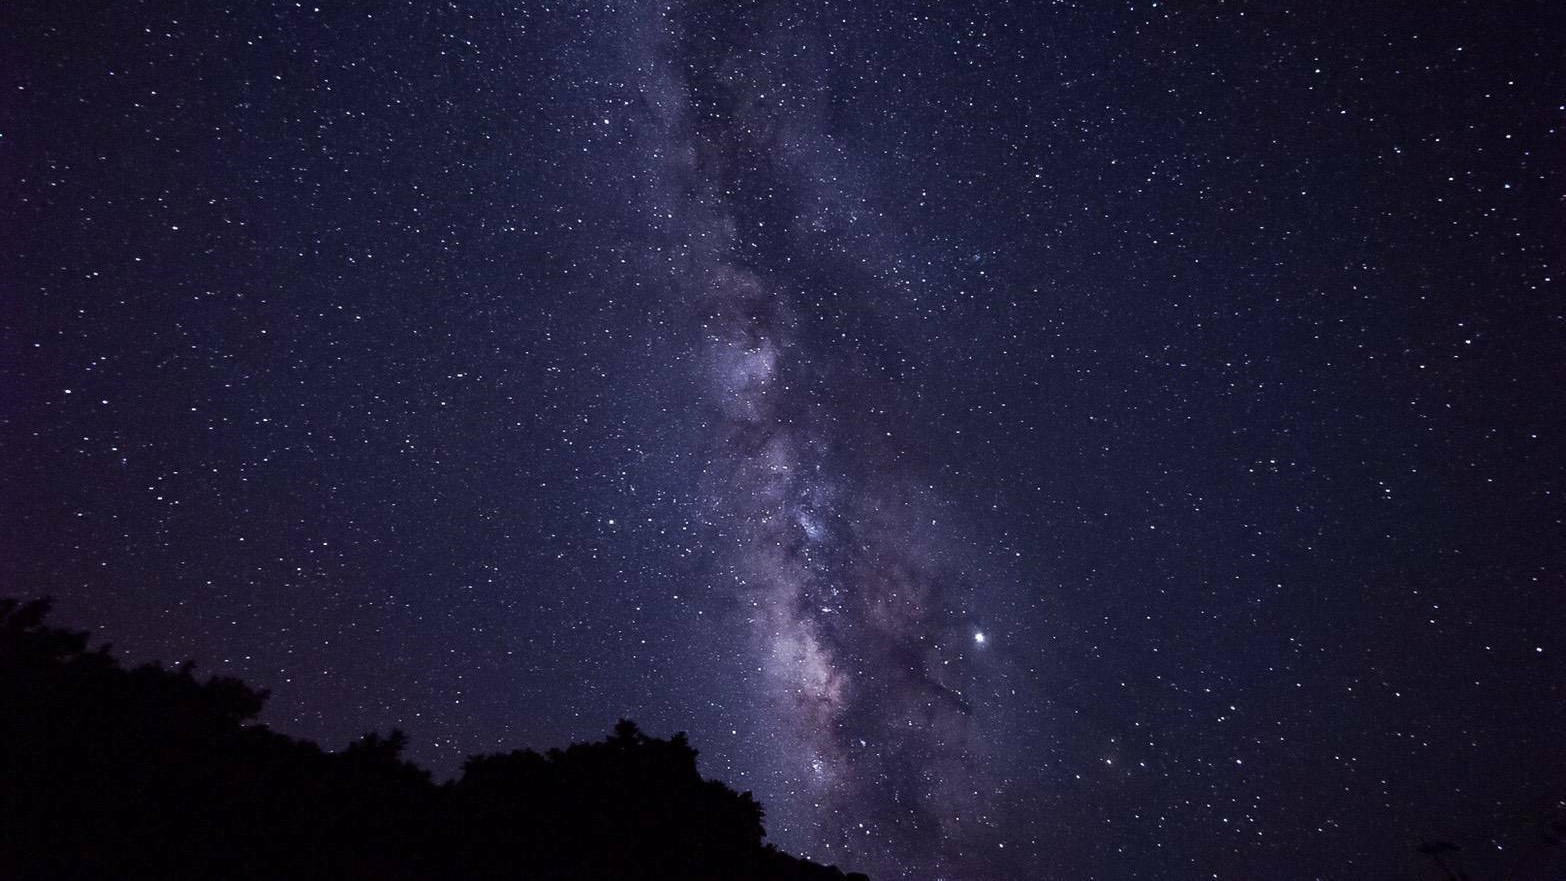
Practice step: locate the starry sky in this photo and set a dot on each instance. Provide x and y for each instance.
(1015, 440)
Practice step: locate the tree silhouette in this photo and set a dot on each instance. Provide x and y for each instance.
(152, 773)
(1535, 858)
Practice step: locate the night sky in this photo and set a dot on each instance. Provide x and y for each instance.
(1016, 441)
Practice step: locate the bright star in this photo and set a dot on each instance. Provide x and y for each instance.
(978, 638)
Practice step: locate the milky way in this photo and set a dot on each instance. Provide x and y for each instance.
(1013, 440)
(835, 551)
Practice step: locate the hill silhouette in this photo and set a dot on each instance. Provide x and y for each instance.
(109, 772)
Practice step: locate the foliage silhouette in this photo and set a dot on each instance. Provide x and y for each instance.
(1536, 857)
(149, 773)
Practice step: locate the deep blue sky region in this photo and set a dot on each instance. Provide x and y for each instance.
(1048, 440)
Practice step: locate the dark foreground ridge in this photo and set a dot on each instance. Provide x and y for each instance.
(151, 773)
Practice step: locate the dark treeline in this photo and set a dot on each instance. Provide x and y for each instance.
(108, 772)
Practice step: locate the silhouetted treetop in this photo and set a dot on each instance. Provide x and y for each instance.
(152, 773)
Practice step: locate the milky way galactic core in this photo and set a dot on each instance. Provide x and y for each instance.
(1013, 440)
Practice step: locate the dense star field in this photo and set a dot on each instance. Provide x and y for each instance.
(1014, 440)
